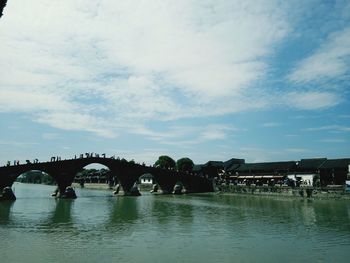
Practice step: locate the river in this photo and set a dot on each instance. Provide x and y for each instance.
(99, 227)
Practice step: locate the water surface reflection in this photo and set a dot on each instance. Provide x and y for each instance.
(189, 228)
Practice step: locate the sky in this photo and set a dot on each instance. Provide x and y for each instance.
(204, 79)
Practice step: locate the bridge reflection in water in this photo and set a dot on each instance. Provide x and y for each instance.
(126, 173)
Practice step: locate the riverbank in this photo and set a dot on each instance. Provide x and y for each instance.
(330, 192)
(97, 186)
(94, 186)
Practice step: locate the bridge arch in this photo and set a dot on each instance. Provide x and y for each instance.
(36, 177)
(95, 173)
(127, 173)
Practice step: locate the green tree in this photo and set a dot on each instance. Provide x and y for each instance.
(165, 161)
(184, 164)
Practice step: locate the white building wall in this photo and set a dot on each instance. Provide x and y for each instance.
(146, 181)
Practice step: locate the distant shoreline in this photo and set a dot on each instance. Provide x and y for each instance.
(95, 186)
(285, 192)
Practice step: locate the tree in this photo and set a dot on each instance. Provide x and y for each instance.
(165, 161)
(184, 164)
(2, 5)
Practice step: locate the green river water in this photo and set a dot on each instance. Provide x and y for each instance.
(99, 227)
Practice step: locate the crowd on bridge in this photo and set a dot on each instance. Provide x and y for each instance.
(79, 156)
(58, 158)
(17, 162)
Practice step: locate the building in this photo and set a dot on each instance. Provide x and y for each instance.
(334, 172)
(262, 172)
(315, 171)
(146, 179)
(213, 169)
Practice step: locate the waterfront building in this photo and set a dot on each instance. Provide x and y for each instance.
(212, 169)
(335, 171)
(262, 173)
(146, 179)
(307, 172)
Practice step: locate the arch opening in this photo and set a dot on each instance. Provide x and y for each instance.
(36, 177)
(96, 175)
(148, 183)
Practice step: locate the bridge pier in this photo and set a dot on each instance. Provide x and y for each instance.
(128, 177)
(7, 194)
(130, 189)
(166, 180)
(197, 184)
(64, 182)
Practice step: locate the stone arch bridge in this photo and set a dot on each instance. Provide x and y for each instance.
(126, 173)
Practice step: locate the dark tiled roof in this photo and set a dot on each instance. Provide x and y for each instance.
(227, 165)
(314, 163)
(266, 167)
(233, 167)
(146, 176)
(217, 164)
(336, 163)
(232, 162)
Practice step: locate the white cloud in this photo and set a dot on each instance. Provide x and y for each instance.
(50, 136)
(18, 144)
(331, 60)
(333, 140)
(186, 136)
(339, 128)
(216, 132)
(271, 124)
(31, 100)
(311, 100)
(82, 65)
(77, 121)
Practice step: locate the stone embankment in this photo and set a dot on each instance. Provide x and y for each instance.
(104, 186)
(93, 186)
(286, 191)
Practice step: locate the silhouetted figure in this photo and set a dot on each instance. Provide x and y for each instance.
(2, 5)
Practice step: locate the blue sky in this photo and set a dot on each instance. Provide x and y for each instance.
(205, 79)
